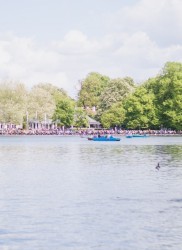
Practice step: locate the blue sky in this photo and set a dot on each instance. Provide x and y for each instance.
(61, 41)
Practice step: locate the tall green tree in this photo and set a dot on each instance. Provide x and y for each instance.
(57, 93)
(91, 88)
(140, 110)
(115, 92)
(13, 102)
(80, 118)
(114, 116)
(40, 103)
(167, 88)
(64, 113)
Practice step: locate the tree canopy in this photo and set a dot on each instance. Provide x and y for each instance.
(114, 116)
(13, 102)
(167, 89)
(115, 91)
(64, 113)
(40, 103)
(91, 89)
(140, 110)
(119, 102)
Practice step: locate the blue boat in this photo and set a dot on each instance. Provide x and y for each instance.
(129, 136)
(138, 135)
(104, 138)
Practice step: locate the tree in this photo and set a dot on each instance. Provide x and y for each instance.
(80, 118)
(115, 92)
(56, 93)
(167, 88)
(13, 102)
(140, 110)
(91, 88)
(40, 103)
(115, 116)
(64, 112)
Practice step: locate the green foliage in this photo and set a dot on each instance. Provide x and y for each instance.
(91, 89)
(13, 102)
(80, 118)
(57, 93)
(115, 92)
(156, 103)
(114, 116)
(140, 110)
(167, 88)
(64, 113)
(40, 103)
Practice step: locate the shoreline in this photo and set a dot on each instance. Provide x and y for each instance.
(85, 136)
(88, 132)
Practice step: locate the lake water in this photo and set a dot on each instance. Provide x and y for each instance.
(68, 193)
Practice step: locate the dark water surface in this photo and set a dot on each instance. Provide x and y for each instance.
(60, 193)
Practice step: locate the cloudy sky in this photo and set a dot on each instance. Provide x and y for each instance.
(61, 41)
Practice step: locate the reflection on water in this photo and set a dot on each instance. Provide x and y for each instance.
(70, 193)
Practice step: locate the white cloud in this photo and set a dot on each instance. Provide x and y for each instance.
(143, 37)
(22, 60)
(161, 20)
(75, 42)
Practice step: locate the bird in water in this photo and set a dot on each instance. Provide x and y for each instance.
(158, 166)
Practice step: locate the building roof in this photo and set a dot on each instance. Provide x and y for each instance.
(92, 121)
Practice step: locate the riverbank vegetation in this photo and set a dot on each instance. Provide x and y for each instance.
(154, 104)
(120, 102)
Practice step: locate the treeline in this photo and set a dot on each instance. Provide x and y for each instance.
(114, 102)
(17, 103)
(120, 102)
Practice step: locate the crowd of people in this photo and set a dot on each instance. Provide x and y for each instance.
(87, 132)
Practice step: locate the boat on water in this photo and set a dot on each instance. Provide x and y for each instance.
(104, 138)
(137, 135)
(129, 136)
